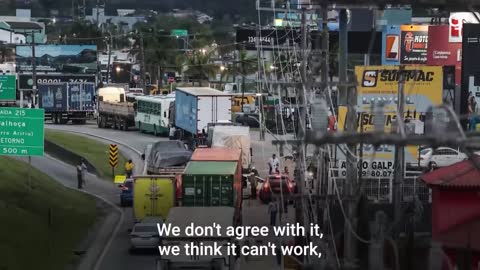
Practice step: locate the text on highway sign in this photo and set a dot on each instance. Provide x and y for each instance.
(8, 87)
(21, 132)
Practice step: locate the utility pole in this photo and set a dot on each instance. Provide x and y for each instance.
(324, 79)
(260, 87)
(348, 94)
(142, 68)
(343, 55)
(98, 12)
(302, 115)
(34, 74)
(399, 152)
(109, 44)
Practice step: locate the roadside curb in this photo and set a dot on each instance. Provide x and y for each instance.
(103, 138)
(68, 156)
(96, 250)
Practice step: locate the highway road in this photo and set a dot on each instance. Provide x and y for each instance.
(117, 256)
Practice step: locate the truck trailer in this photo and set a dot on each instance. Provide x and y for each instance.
(196, 107)
(153, 196)
(114, 110)
(64, 102)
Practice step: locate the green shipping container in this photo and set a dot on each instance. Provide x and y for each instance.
(211, 183)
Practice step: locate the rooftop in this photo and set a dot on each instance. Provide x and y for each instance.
(24, 25)
(202, 91)
(460, 175)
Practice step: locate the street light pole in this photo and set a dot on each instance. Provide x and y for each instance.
(34, 73)
(109, 48)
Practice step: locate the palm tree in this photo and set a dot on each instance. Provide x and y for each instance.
(245, 65)
(199, 67)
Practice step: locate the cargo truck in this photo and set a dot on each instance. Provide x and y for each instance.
(211, 184)
(114, 110)
(196, 107)
(233, 136)
(64, 102)
(200, 216)
(153, 196)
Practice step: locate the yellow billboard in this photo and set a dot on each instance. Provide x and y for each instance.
(379, 85)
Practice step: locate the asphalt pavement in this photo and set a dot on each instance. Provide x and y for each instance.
(117, 256)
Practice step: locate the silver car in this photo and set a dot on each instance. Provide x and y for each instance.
(144, 235)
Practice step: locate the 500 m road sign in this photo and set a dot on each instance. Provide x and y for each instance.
(21, 132)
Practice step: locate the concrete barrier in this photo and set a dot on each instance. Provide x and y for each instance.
(67, 156)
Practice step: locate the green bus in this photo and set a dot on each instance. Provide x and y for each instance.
(152, 112)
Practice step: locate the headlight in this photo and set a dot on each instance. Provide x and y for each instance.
(310, 174)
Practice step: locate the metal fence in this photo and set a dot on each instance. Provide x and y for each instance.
(379, 189)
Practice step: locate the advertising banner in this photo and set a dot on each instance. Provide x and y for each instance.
(58, 58)
(470, 65)
(414, 40)
(53, 97)
(423, 89)
(441, 52)
(456, 22)
(81, 96)
(391, 45)
(25, 81)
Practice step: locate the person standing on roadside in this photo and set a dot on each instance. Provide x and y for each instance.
(273, 210)
(273, 164)
(81, 169)
(129, 168)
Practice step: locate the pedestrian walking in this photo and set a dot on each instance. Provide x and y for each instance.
(273, 210)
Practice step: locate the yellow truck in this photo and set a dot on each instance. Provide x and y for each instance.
(153, 196)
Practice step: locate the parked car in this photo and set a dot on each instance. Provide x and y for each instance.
(126, 197)
(440, 157)
(247, 119)
(144, 235)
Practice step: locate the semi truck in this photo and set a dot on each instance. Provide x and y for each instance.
(114, 110)
(153, 196)
(64, 102)
(196, 107)
(213, 184)
(200, 216)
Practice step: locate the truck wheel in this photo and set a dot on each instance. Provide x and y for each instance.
(155, 133)
(140, 127)
(99, 121)
(125, 126)
(114, 125)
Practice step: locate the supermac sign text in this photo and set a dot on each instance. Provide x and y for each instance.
(371, 77)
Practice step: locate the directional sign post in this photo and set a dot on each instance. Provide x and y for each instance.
(179, 32)
(113, 159)
(21, 132)
(8, 90)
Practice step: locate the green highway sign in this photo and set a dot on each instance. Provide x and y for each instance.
(21, 132)
(8, 87)
(179, 32)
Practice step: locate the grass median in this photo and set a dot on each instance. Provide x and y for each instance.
(93, 151)
(39, 226)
